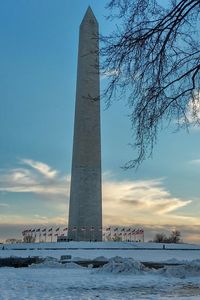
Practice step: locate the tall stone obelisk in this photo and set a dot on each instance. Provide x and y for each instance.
(85, 210)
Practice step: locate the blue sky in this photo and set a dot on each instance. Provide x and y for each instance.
(38, 59)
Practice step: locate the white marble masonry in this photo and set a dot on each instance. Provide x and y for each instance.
(85, 210)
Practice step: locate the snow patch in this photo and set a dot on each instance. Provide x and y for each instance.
(123, 265)
(100, 258)
(52, 262)
(130, 266)
(79, 258)
(72, 265)
(182, 271)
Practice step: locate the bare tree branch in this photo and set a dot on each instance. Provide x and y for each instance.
(155, 53)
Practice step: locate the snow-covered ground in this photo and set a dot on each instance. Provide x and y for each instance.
(121, 278)
(139, 251)
(102, 245)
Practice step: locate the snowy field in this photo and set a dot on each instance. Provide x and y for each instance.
(145, 252)
(121, 278)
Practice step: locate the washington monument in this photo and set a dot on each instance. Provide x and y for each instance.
(85, 210)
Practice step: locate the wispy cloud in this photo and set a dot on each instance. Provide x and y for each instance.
(109, 73)
(195, 162)
(10, 219)
(142, 201)
(193, 113)
(4, 205)
(34, 177)
(42, 168)
(192, 116)
(124, 202)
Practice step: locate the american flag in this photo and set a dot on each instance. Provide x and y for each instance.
(43, 230)
(57, 229)
(50, 229)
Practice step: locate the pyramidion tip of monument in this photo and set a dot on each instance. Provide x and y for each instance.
(89, 15)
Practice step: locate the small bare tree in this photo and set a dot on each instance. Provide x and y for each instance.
(153, 61)
(28, 239)
(175, 237)
(160, 238)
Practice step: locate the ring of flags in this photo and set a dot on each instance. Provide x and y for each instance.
(109, 233)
